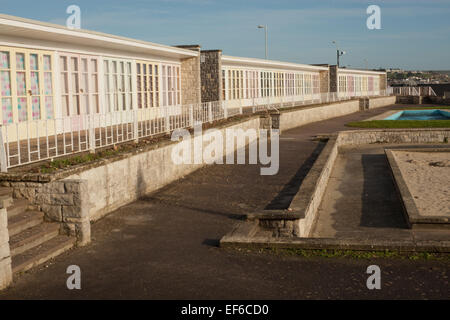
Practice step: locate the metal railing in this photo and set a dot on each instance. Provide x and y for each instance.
(36, 140)
(413, 91)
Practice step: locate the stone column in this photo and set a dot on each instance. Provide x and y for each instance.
(76, 216)
(324, 81)
(383, 82)
(5, 255)
(333, 78)
(190, 77)
(211, 75)
(67, 202)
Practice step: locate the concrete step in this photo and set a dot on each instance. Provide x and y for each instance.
(33, 237)
(23, 221)
(42, 253)
(18, 206)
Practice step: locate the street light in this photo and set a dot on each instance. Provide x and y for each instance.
(339, 53)
(265, 29)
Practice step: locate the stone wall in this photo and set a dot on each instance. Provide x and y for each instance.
(190, 77)
(431, 135)
(422, 100)
(63, 201)
(333, 78)
(211, 75)
(66, 201)
(296, 118)
(383, 82)
(381, 102)
(440, 100)
(404, 99)
(324, 81)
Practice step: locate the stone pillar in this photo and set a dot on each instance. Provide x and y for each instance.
(383, 82)
(324, 81)
(333, 78)
(363, 103)
(417, 99)
(275, 119)
(190, 77)
(265, 122)
(211, 75)
(5, 255)
(67, 202)
(76, 217)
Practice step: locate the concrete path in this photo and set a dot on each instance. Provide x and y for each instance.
(165, 245)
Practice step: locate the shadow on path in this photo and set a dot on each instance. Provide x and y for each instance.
(285, 196)
(381, 206)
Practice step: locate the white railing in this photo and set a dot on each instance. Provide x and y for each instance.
(33, 141)
(413, 91)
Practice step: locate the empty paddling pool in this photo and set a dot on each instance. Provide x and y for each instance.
(433, 114)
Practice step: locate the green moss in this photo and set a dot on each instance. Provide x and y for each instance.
(392, 124)
(57, 164)
(355, 254)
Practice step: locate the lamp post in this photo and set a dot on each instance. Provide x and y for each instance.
(265, 30)
(339, 53)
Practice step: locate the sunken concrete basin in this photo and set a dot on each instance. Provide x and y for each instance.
(422, 181)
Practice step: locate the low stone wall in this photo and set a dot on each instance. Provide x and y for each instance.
(63, 201)
(422, 100)
(289, 119)
(381, 102)
(294, 118)
(440, 100)
(428, 135)
(404, 99)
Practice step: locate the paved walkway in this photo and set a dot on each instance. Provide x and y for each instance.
(165, 245)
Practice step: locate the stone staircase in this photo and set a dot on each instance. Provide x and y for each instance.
(32, 240)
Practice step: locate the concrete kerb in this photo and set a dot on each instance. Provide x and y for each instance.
(406, 246)
(410, 211)
(279, 222)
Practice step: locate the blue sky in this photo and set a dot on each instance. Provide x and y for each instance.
(415, 34)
